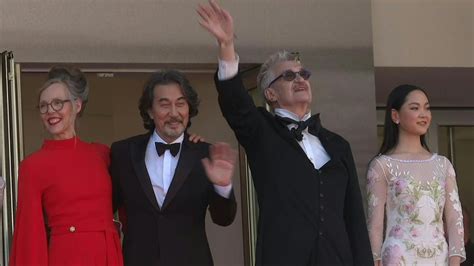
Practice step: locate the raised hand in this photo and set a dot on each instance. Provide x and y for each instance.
(217, 21)
(220, 166)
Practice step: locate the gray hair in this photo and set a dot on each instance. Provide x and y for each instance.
(74, 80)
(266, 73)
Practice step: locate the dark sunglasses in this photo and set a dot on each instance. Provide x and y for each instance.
(289, 75)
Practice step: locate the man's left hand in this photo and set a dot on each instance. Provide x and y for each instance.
(220, 166)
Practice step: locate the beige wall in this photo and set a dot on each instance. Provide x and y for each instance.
(437, 33)
(405, 32)
(166, 31)
(344, 94)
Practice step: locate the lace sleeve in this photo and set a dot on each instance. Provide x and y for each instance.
(376, 195)
(453, 215)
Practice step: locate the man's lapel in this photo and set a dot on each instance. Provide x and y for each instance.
(137, 150)
(282, 130)
(187, 159)
(332, 147)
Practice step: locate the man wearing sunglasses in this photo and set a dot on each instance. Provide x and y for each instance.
(310, 206)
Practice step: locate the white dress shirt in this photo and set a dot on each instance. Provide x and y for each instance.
(310, 144)
(161, 169)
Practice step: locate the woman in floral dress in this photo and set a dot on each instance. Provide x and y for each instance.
(414, 189)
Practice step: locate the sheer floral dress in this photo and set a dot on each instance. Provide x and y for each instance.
(419, 199)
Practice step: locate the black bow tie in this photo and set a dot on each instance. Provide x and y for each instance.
(313, 123)
(162, 147)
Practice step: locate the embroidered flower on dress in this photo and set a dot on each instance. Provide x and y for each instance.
(436, 233)
(392, 255)
(396, 232)
(373, 200)
(417, 195)
(400, 186)
(414, 232)
(372, 177)
(454, 197)
(451, 172)
(409, 207)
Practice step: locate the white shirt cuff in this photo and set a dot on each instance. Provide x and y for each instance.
(223, 191)
(228, 69)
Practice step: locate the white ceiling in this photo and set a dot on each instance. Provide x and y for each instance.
(167, 30)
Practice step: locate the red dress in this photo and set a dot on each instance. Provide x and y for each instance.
(66, 185)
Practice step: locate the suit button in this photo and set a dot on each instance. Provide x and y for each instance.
(321, 195)
(72, 229)
(320, 233)
(322, 219)
(321, 207)
(321, 182)
(320, 171)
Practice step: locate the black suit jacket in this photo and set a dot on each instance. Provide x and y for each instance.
(307, 216)
(175, 233)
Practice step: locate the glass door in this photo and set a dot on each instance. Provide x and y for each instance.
(11, 147)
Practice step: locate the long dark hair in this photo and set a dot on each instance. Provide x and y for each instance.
(165, 77)
(395, 101)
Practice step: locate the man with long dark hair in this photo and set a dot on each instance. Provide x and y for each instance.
(159, 180)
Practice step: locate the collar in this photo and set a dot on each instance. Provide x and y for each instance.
(285, 113)
(156, 138)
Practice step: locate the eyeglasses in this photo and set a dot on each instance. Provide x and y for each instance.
(289, 75)
(56, 105)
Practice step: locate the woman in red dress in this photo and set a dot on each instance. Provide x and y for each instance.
(64, 214)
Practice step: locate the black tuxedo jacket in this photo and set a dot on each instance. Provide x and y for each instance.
(175, 233)
(306, 216)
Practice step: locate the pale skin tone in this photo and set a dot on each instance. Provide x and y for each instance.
(60, 124)
(413, 119)
(170, 114)
(294, 96)
(220, 167)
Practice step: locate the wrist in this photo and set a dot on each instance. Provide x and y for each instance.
(454, 261)
(227, 51)
(225, 44)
